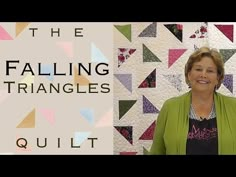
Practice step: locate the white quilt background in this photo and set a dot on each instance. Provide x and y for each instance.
(159, 40)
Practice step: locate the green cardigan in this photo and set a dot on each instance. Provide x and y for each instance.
(170, 135)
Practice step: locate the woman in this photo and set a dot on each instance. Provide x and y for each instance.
(200, 121)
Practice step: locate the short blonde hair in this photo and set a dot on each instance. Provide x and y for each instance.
(206, 52)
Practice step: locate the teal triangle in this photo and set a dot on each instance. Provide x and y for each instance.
(124, 106)
(88, 115)
(125, 30)
(227, 53)
(148, 56)
(97, 55)
(48, 69)
(80, 137)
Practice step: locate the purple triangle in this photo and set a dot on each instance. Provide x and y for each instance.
(126, 80)
(228, 82)
(148, 107)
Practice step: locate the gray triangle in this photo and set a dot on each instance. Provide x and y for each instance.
(175, 81)
(149, 31)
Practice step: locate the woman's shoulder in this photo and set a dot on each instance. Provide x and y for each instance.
(226, 98)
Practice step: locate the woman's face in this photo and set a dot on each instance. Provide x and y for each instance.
(203, 75)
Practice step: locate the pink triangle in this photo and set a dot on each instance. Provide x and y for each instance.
(48, 114)
(174, 55)
(4, 95)
(106, 119)
(4, 35)
(148, 134)
(227, 30)
(67, 47)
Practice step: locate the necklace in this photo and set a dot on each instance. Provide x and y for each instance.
(194, 115)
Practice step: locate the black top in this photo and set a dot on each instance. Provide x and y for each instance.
(202, 137)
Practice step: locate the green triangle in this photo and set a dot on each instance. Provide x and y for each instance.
(125, 30)
(145, 151)
(227, 53)
(148, 56)
(124, 106)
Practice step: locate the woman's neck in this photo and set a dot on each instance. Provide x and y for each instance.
(202, 99)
